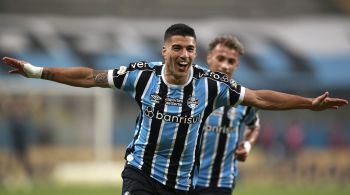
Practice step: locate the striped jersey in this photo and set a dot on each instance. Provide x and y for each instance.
(168, 128)
(222, 133)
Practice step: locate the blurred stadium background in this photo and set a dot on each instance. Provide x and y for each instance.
(76, 137)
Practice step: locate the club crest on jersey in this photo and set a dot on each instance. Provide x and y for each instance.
(192, 102)
(233, 83)
(155, 98)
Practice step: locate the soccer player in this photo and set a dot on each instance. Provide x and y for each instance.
(174, 98)
(221, 146)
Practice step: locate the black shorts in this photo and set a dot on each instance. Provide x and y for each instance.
(135, 182)
(211, 191)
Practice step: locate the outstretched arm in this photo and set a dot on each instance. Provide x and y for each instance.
(273, 100)
(77, 76)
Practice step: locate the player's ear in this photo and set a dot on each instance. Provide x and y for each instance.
(163, 51)
(209, 56)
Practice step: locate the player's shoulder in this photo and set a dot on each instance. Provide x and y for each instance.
(201, 72)
(143, 65)
(140, 66)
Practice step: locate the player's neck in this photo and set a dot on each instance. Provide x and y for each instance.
(172, 79)
(176, 79)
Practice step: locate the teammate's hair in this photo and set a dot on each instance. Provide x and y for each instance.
(179, 29)
(229, 41)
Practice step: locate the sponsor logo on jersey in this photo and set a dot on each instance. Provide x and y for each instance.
(168, 101)
(150, 113)
(215, 75)
(139, 65)
(219, 129)
(173, 102)
(219, 77)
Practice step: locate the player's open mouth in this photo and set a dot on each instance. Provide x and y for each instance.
(182, 66)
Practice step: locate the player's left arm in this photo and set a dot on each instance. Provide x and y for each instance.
(273, 100)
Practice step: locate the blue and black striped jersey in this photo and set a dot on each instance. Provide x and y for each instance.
(168, 127)
(222, 133)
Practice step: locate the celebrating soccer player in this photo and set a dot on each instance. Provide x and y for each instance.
(175, 98)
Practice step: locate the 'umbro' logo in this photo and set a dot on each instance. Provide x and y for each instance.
(156, 98)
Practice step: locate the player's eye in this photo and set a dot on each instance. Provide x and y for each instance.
(232, 61)
(176, 48)
(190, 49)
(220, 58)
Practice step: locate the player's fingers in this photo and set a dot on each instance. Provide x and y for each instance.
(320, 98)
(334, 107)
(338, 102)
(241, 157)
(15, 71)
(8, 60)
(240, 152)
(323, 97)
(12, 62)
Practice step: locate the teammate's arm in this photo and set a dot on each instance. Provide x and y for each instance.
(251, 124)
(273, 100)
(77, 76)
(251, 135)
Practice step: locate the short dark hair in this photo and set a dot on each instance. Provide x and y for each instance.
(179, 29)
(229, 41)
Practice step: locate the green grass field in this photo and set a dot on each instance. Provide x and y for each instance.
(241, 189)
(278, 189)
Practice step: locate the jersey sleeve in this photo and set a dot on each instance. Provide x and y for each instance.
(125, 78)
(230, 94)
(252, 119)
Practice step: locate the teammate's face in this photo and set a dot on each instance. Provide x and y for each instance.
(179, 53)
(223, 59)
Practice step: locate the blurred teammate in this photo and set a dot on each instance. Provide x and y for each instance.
(220, 147)
(18, 117)
(174, 98)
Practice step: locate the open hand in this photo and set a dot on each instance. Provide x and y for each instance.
(17, 65)
(23, 68)
(323, 102)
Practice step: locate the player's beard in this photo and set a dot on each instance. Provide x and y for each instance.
(178, 74)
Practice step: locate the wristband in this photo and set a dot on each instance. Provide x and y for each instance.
(33, 71)
(247, 146)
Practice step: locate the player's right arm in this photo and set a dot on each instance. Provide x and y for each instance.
(76, 76)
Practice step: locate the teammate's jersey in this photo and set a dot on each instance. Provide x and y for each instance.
(167, 132)
(221, 136)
